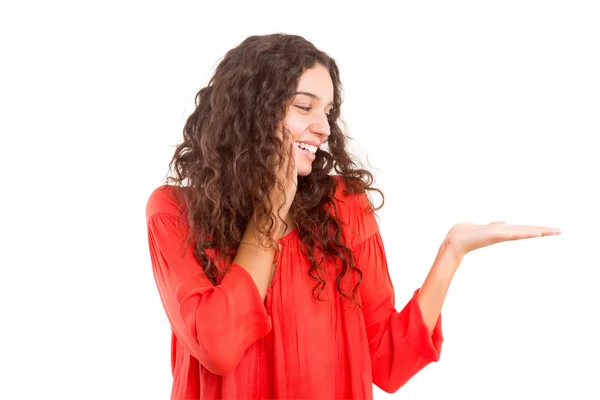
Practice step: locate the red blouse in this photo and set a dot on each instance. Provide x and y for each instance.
(228, 344)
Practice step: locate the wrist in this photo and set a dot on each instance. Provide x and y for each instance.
(452, 250)
(254, 237)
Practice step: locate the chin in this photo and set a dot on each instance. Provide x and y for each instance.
(304, 171)
(304, 168)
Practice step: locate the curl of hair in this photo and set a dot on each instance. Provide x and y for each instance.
(229, 148)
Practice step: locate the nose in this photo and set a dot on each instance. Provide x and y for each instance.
(321, 127)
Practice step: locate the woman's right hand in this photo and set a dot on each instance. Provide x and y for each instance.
(256, 252)
(289, 179)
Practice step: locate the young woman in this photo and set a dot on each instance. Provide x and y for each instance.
(271, 267)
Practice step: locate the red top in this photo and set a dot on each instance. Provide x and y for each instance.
(228, 343)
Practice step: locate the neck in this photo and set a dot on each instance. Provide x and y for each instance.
(291, 225)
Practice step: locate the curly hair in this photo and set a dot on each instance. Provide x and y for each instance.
(226, 157)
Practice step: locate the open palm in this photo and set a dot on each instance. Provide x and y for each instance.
(466, 236)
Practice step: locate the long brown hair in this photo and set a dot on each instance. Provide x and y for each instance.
(229, 142)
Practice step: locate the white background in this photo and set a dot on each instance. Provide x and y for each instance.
(467, 110)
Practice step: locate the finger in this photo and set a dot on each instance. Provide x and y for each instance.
(532, 228)
(497, 223)
(287, 152)
(522, 235)
(295, 160)
(279, 131)
(296, 152)
(544, 230)
(290, 159)
(527, 231)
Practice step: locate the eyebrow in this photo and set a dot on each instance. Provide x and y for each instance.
(313, 96)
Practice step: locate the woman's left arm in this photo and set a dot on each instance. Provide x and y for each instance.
(463, 238)
(401, 343)
(433, 292)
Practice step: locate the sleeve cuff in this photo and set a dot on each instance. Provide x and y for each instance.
(429, 345)
(238, 280)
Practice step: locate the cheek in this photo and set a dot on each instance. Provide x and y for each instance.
(295, 125)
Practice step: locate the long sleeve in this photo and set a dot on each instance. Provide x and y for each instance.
(399, 342)
(216, 322)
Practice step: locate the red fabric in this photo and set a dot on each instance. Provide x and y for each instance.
(227, 343)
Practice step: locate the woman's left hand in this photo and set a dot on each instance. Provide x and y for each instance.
(465, 237)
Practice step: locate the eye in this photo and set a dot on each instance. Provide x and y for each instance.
(304, 108)
(307, 109)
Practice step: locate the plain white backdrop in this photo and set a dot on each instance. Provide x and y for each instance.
(465, 111)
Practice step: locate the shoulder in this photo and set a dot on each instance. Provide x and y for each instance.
(355, 212)
(165, 199)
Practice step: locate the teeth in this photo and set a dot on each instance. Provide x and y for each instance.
(312, 149)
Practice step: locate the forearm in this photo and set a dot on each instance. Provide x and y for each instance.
(255, 258)
(435, 287)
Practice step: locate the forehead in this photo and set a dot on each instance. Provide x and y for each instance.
(318, 81)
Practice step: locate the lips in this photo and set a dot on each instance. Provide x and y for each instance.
(310, 147)
(311, 142)
(307, 154)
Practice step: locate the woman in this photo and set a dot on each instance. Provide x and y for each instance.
(271, 269)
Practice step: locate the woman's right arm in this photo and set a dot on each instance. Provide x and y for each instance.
(216, 322)
(256, 259)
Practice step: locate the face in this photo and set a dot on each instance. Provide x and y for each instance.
(307, 114)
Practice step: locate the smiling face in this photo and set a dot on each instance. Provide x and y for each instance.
(307, 115)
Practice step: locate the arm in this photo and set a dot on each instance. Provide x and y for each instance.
(463, 238)
(435, 287)
(400, 343)
(217, 323)
(255, 258)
